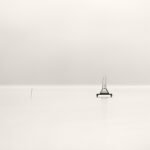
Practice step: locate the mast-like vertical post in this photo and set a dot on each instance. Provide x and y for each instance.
(104, 84)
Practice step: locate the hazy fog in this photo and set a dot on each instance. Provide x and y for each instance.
(74, 41)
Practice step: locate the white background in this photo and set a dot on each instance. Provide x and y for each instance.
(74, 41)
(72, 118)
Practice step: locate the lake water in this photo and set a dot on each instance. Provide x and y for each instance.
(72, 118)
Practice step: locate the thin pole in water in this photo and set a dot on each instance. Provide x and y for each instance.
(31, 93)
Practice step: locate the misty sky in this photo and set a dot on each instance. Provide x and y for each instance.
(74, 41)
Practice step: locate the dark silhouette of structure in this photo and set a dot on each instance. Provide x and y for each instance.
(104, 92)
